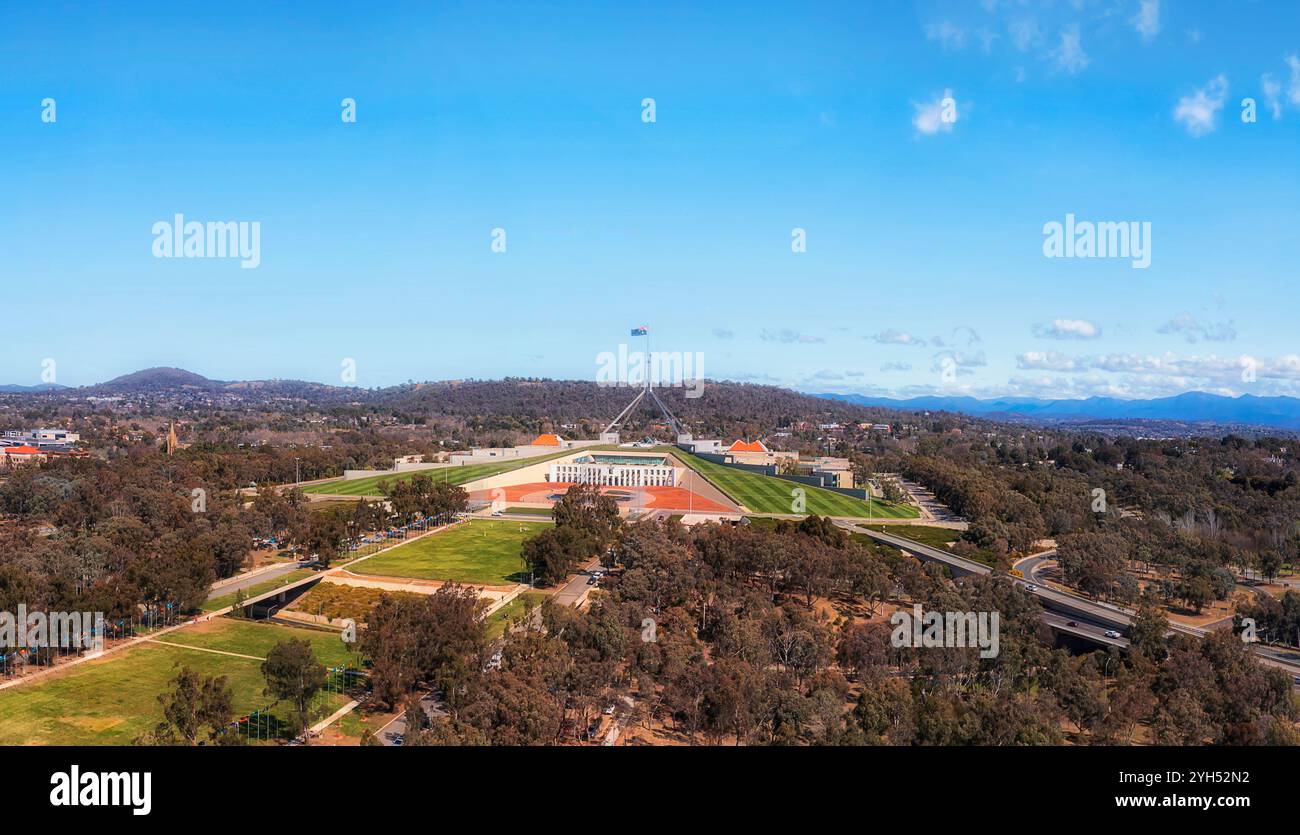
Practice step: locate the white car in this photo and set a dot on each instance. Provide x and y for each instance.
(1111, 633)
(1031, 587)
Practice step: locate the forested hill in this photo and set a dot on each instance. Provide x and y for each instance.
(738, 408)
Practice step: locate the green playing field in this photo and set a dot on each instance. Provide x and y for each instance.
(768, 494)
(481, 551)
(110, 701)
(452, 475)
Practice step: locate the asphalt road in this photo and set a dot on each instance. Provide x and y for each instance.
(396, 729)
(1075, 606)
(229, 586)
(1085, 629)
(577, 587)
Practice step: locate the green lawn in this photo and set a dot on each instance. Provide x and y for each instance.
(112, 700)
(453, 475)
(249, 637)
(214, 603)
(500, 619)
(530, 511)
(480, 551)
(767, 494)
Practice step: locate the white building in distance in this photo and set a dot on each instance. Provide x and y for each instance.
(617, 471)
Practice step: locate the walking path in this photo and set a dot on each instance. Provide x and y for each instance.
(206, 649)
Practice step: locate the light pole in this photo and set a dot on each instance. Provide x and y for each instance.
(297, 477)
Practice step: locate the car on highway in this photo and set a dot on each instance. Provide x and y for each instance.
(1072, 623)
(1031, 587)
(1111, 633)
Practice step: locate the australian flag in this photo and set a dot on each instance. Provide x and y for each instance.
(641, 331)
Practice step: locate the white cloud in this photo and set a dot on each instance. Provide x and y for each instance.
(1185, 325)
(1272, 90)
(960, 359)
(1199, 112)
(1046, 361)
(723, 333)
(1068, 329)
(948, 34)
(938, 115)
(896, 366)
(893, 337)
(788, 336)
(1185, 371)
(1293, 88)
(1069, 54)
(1147, 19)
(1024, 33)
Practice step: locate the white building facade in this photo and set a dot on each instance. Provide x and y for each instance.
(616, 471)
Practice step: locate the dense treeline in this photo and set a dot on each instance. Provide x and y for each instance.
(152, 532)
(725, 409)
(1199, 509)
(723, 636)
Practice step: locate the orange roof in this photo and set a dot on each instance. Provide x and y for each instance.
(22, 450)
(548, 439)
(747, 446)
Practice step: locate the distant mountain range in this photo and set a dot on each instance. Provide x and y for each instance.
(1192, 407)
(157, 380)
(13, 389)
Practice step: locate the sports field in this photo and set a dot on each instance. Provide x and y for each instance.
(451, 475)
(766, 494)
(111, 701)
(480, 551)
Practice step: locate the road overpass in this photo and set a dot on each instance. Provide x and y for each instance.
(279, 594)
(1114, 617)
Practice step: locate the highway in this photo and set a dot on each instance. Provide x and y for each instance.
(1093, 632)
(1073, 606)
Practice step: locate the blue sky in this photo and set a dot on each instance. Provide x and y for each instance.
(924, 236)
